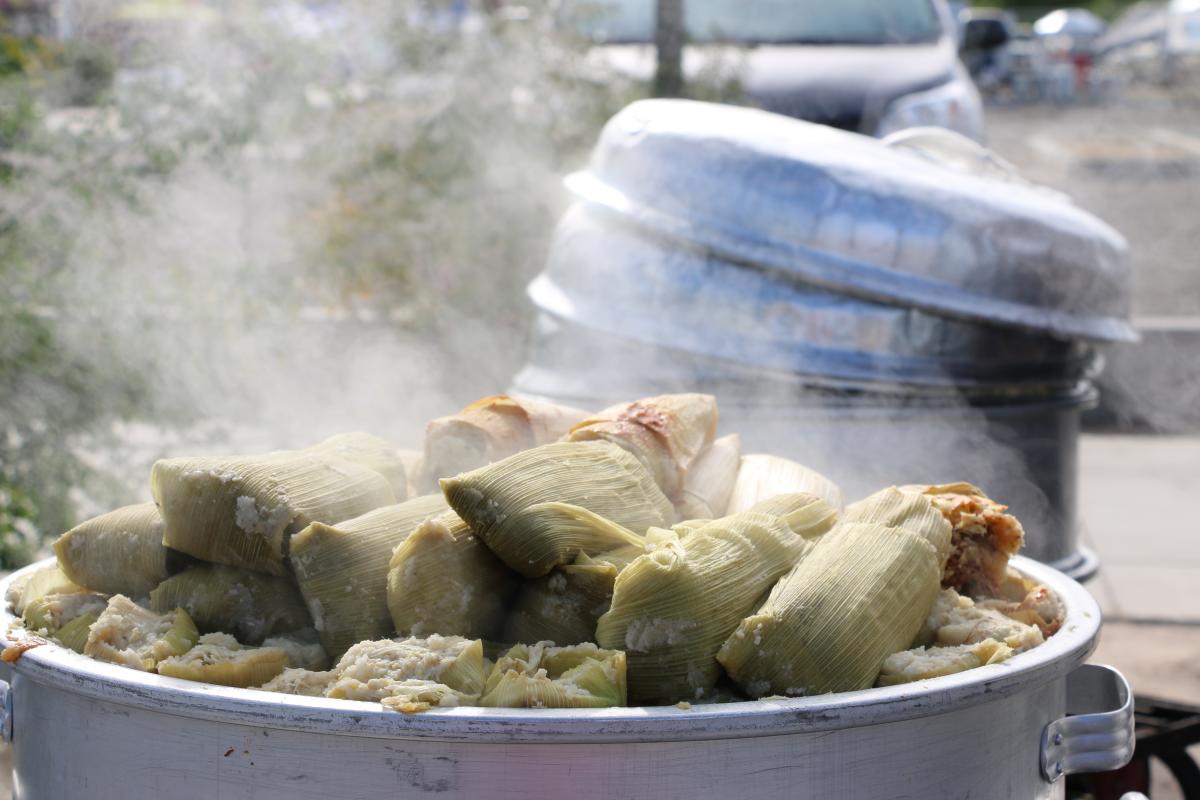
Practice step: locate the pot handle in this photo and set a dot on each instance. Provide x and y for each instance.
(1097, 733)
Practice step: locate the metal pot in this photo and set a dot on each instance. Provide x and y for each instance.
(82, 728)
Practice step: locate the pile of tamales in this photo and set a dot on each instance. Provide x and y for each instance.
(534, 555)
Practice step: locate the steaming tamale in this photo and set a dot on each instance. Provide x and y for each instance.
(490, 429)
(955, 619)
(371, 452)
(308, 683)
(120, 552)
(247, 604)
(921, 663)
(666, 433)
(219, 658)
(127, 634)
(1033, 604)
(442, 579)
(806, 514)
(387, 667)
(521, 507)
(984, 536)
(764, 476)
(50, 612)
(564, 606)
(303, 649)
(673, 607)
(342, 570)
(240, 510)
(862, 594)
(45, 581)
(709, 482)
(74, 634)
(544, 676)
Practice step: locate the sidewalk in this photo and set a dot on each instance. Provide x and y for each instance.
(1136, 497)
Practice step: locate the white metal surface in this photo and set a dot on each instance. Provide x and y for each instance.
(87, 729)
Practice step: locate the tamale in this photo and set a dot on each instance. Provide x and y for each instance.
(666, 433)
(444, 580)
(673, 607)
(120, 552)
(564, 606)
(708, 484)
(763, 476)
(983, 540)
(520, 506)
(380, 669)
(127, 634)
(371, 452)
(304, 682)
(247, 604)
(806, 514)
(45, 581)
(544, 676)
(1037, 606)
(861, 595)
(240, 511)
(490, 429)
(219, 658)
(921, 663)
(956, 619)
(74, 634)
(49, 613)
(342, 570)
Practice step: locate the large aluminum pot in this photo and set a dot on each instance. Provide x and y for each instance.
(81, 728)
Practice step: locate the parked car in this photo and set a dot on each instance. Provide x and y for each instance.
(985, 45)
(871, 66)
(1155, 41)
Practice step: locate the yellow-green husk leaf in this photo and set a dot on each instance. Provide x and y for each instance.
(120, 552)
(673, 607)
(50, 612)
(443, 580)
(250, 605)
(239, 511)
(74, 634)
(545, 676)
(505, 503)
(342, 570)
(372, 452)
(45, 581)
(806, 514)
(709, 481)
(763, 476)
(920, 663)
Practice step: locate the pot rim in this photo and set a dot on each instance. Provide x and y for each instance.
(56, 666)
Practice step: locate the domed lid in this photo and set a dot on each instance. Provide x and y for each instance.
(898, 224)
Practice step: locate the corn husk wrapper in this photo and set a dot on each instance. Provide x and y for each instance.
(74, 634)
(762, 476)
(666, 433)
(240, 511)
(806, 514)
(219, 658)
(521, 506)
(673, 607)
(369, 451)
(376, 670)
(442, 579)
(305, 682)
(41, 583)
(127, 634)
(564, 606)
(342, 570)
(247, 604)
(545, 676)
(120, 552)
(984, 536)
(862, 594)
(708, 483)
(51, 612)
(490, 429)
(921, 663)
(414, 468)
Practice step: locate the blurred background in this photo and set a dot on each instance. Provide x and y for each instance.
(252, 224)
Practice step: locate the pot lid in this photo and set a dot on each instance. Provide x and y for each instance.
(850, 213)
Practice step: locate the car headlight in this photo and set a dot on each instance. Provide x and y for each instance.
(954, 105)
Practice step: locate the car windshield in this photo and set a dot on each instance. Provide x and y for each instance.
(762, 21)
